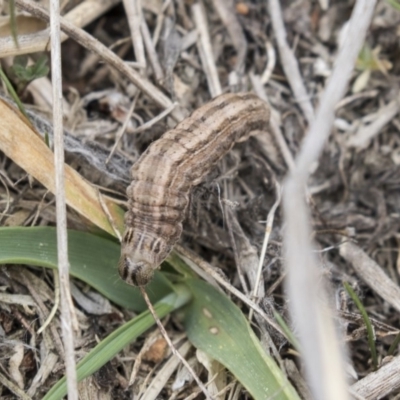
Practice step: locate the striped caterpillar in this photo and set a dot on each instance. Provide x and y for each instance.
(166, 172)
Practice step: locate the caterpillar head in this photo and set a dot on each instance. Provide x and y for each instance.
(141, 255)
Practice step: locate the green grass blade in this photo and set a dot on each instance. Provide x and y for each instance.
(13, 93)
(120, 338)
(215, 325)
(93, 259)
(289, 334)
(367, 322)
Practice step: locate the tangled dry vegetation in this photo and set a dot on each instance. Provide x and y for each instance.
(191, 52)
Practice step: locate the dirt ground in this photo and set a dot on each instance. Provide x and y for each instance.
(192, 52)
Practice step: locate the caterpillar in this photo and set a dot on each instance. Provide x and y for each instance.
(166, 172)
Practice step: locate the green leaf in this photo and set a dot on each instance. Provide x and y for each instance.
(25, 73)
(93, 259)
(216, 326)
(13, 23)
(395, 4)
(13, 94)
(120, 338)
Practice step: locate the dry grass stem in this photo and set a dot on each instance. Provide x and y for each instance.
(226, 12)
(268, 230)
(274, 125)
(205, 50)
(371, 273)
(151, 51)
(56, 302)
(138, 360)
(133, 9)
(289, 62)
(67, 308)
(309, 305)
(13, 388)
(271, 54)
(123, 127)
(172, 347)
(381, 383)
(365, 134)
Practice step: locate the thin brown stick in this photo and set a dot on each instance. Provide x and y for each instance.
(133, 9)
(170, 344)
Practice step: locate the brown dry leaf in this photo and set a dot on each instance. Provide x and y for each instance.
(156, 352)
(27, 149)
(14, 364)
(25, 25)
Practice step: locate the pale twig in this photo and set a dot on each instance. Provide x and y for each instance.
(82, 15)
(138, 360)
(170, 344)
(54, 309)
(8, 197)
(133, 9)
(13, 388)
(274, 122)
(381, 383)
(271, 56)
(151, 52)
(89, 42)
(289, 62)
(205, 50)
(154, 120)
(110, 218)
(371, 273)
(159, 24)
(365, 134)
(268, 230)
(307, 296)
(226, 12)
(67, 311)
(122, 129)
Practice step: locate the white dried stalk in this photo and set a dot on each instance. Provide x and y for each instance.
(371, 273)
(289, 62)
(205, 50)
(133, 9)
(151, 52)
(365, 134)
(308, 300)
(61, 211)
(380, 383)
